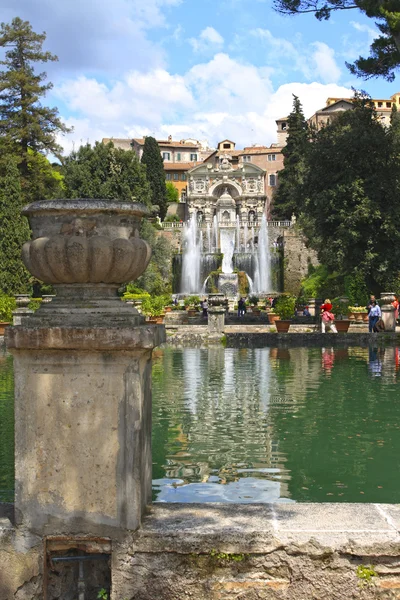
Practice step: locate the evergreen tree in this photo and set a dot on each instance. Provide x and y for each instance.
(106, 172)
(172, 193)
(287, 198)
(384, 57)
(151, 157)
(14, 231)
(350, 213)
(25, 124)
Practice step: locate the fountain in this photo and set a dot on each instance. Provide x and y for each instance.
(191, 258)
(262, 276)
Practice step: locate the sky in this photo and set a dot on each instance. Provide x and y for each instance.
(203, 69)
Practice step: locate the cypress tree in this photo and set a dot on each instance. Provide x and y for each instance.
(287, 198)
(14, 231)
(155, 173)
(25, 124)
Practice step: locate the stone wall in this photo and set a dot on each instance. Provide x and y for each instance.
(297, 258)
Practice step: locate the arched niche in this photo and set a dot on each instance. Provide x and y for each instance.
(218, 188)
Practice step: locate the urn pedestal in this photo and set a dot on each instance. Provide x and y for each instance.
(388, 310)
(83, 374)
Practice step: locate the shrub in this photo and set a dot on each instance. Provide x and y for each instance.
(254, 300)
(284, 307)
(153, 306)
(7, 305)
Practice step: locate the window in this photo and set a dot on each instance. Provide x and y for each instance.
(388, 104)
(176, 176)
(178, 156)
(193, 157)
(226, 146)
(272, 180)
(271, 157)
(284, 126)
(380, 104)
(166, 155)
(168, 177)
(183, 177)
(247, 158)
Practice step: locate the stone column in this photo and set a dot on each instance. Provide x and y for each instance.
(83, 374)
(216, 315)
(311, 306)
(22, 309)
(388, 311)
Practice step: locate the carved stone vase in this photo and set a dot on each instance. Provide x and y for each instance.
(388, 310)
(86, 249)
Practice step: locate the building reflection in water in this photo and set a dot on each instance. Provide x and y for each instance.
(264, 425)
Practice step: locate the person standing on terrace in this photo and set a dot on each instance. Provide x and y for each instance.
(374, 315)
(327, 318)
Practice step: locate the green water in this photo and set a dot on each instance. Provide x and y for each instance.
(264, 425)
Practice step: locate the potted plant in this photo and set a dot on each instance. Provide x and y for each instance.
(284, 308)
(253, 301)
(153, 308)
(191, 304)
(7, 305)
(341, 311)
(359, 313)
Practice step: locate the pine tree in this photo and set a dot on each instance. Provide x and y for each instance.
(14, 231)
(287, 198)
(155, 174)
(25, 124)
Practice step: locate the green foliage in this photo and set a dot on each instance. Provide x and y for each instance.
(284, 307)
(384, 58)
(25, 123)
(156, 280)
(14, 231)
(192, 301)
(35, 303)
(223, 341)
(155, 174)
(287, 198)
(243, 283)
(103, 171)
(7, 306)
(321, 283)
(172, 219)
(365, 574)
(341, 310)
(356, 288)
(127, 296)
(153, 306)
(102, 594)
(254, 300)
(172, 192)
(348, 214)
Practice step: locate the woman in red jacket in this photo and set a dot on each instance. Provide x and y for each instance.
(327, 318)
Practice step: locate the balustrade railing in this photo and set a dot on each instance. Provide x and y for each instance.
(232, 224)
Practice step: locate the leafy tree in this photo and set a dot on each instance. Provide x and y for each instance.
(287, 198)
(25, 124)
(172, 193)
(14, 231)
(103, 171)
(384, 58)
(349, 214)
(151, 157)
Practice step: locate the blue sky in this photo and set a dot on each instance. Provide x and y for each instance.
(208, 69)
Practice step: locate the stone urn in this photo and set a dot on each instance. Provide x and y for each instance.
(388, 310)
(85, 248)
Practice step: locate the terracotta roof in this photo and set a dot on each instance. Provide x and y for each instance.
(259, 150)
(170, 144)
(229, 152)
(180, 166)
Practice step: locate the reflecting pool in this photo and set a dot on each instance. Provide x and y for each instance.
(263, 425)
(267, 425)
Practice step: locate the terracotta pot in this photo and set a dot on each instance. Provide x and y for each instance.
(352, 316)
(359, 317)
(3, 325)
(168, 309)
(343, 326)
(282, 326)
(256, 312)
(192, 313)
(365, 317)
(272, 318)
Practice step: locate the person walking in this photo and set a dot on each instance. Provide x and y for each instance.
(241, 307)
(327, 318)
(373, 316)
(204, 306)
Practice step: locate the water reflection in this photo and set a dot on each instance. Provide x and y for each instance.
(261, 425)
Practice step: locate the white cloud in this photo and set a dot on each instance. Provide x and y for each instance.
(209, 40)
(326, 68)
(214, 100)
(372, 33)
